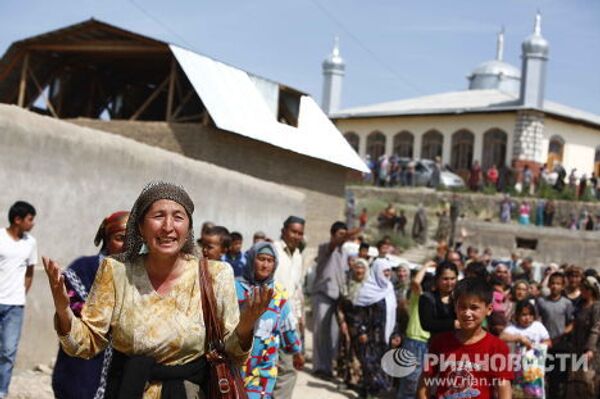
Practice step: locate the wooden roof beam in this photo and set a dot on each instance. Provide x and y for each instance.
(114, 47)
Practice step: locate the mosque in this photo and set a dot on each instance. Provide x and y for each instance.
(503, 118)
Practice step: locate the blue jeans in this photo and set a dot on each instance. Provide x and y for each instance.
(407, 386)
(11, 320)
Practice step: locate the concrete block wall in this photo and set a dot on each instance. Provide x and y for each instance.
(528, 136)
(323, 183)
(75, 176)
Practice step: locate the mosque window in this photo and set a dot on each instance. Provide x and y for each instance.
(352, 139)
(462, 150)
(432, 144)
(494, 148)
(376, 145)
(403, 144)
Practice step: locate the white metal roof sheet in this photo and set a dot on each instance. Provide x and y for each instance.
(235, 104)
(459, 102)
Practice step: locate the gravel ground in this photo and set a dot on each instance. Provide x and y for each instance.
(36, 384)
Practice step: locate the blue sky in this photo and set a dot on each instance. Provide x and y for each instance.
(393, 49)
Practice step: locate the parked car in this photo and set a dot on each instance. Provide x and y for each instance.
(424, 170)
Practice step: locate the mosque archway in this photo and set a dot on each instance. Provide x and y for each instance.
(494, 148)
(352, 139)
(461, 157)
(432, 145)
(375, 145)
(556, 149)
(404, 144)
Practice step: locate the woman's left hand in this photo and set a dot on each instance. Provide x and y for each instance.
(256, 305)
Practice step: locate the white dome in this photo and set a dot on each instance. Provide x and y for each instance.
(495, 74)
(495, 67)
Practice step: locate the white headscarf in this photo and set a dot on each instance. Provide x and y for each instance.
(376, 288)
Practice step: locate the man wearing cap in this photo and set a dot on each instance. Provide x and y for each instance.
(289, 273)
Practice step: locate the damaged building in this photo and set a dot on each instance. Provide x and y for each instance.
(97, 75)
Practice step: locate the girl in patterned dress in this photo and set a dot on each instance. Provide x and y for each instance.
(274, 329)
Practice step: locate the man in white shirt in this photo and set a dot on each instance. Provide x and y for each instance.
(289, 273)
(18, 255)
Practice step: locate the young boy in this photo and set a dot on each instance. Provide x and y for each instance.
(18, 256)
(468, 362)
(215, 242)
(363, 251)
(234, 255)
(556, 312)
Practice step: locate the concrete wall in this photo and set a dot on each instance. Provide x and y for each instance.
(580, 144)
(478, 124)
(553, 244)
(75, 176)
(323, 183)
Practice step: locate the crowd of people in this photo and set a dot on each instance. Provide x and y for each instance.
(542, 212)
(530, 181)
(395, 171)
(132, 319)
(555, 313)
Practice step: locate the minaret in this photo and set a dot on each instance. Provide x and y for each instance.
(500, 46)
(533, 72)
(333, 74)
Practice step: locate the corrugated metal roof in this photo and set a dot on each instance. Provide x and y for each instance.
(235, 104)
(467, 101)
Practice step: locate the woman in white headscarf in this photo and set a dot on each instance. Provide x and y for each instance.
(375, 305)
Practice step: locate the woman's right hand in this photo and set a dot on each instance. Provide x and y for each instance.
(57, 286)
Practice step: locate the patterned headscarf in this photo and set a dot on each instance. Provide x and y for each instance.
(591, 283)
(111, 224)
(153, 192)
(262, 247)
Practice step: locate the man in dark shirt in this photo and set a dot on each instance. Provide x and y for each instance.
(329, 279)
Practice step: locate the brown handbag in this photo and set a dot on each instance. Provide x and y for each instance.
(224, 379)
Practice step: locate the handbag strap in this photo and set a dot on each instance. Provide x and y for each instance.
(214, 327)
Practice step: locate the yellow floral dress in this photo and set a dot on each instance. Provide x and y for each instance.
(169, 328)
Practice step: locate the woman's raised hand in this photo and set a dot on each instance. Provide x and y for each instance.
(57, 286)
(257, 304)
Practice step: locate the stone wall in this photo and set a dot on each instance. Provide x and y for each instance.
(552, 244)
(75, 176)
(323, 183)
(556, 244)
(474, 205)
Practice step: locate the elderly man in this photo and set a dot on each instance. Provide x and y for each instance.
(289, 273)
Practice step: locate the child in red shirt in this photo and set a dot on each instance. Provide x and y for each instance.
(468, 362)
